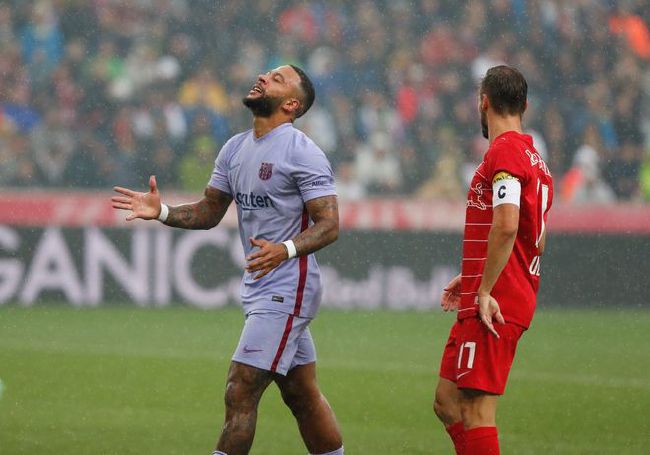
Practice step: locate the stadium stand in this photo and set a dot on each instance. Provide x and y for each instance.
(96, 93)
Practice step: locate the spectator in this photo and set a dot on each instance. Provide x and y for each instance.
(583, 182)
(377, 166)
(53, 146)
(195, 166)
(348, 186)
(41, 40)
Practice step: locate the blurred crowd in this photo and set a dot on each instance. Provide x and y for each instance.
(102, 92)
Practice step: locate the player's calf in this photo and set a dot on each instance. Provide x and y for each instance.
(315, 418)
(244, 389)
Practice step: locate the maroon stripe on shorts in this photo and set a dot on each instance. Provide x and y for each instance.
(283, 343)
(302, 280)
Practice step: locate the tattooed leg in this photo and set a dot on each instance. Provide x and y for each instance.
(245, 387)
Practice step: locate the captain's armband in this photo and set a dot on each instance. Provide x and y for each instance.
(506, 189)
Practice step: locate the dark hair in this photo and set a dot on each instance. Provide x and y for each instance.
(309, 94)
(506, 88)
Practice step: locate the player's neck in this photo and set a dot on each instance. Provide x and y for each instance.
(499, 125)
(263, 125)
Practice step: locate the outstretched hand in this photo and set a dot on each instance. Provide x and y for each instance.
(269, 256)
(451, 295)
(142, 205)
(488, 309)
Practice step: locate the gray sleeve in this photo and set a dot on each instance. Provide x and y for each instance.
(219, 177)
(312, 172)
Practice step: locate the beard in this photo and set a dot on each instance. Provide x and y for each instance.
(263, 106)
(484, 126)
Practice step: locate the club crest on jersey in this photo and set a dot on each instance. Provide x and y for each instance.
(266, 171)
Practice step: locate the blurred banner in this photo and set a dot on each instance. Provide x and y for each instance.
(391, 254)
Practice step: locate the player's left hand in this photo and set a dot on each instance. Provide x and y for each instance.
(488, 309)
(451, 295)
(269, 256)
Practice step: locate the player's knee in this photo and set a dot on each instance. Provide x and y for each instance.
(237, 396)
(441, 408)
(300, 403)
(446, 408)
(475, 413)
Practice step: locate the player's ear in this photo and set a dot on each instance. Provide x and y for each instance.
(292, 106)
(485, 102)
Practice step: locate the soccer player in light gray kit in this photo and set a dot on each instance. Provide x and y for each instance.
(283, 187)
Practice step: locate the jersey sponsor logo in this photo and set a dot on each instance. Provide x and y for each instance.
(252, 201)
(475, 195)
(266, 171)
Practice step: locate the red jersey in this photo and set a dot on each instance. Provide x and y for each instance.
(516, 288)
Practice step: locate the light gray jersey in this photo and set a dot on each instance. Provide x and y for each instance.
(271, 179)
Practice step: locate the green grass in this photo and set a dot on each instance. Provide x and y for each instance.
(120, 380)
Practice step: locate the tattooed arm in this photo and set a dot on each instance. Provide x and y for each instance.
(325, 230)
(324, 212)
(204, 214)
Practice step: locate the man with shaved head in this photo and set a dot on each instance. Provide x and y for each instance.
(283, 187)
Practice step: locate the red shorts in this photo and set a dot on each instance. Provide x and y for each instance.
(475, 359)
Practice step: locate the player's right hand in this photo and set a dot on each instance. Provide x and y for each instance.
(451, 295)
(142, 205)
(489, 311)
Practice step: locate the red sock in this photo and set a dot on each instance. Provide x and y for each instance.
(457, 434)
(481, 441)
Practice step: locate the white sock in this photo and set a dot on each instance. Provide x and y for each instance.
(335, 452)
(218, 452)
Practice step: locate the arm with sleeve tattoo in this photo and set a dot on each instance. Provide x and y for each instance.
(325, 230)
(204, 214)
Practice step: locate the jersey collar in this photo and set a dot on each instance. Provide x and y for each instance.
(274, 132)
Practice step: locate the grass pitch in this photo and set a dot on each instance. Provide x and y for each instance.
(122, 380)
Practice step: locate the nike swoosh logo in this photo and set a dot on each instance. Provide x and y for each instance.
(458, 376)
(247, 350)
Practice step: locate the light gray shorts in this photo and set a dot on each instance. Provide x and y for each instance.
(275, 342)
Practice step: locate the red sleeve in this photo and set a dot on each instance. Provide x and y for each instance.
(505, 157)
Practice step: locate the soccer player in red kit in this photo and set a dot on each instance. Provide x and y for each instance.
(495, 294)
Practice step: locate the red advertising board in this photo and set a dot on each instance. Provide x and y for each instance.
(77, 209)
